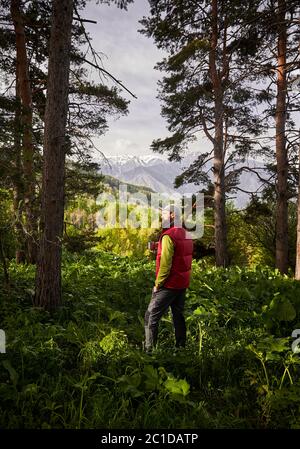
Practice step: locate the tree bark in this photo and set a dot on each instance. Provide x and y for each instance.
(25, 93)
(218, 169)
(281, 150)
(297, 271)
(48, 277)
(18, 181)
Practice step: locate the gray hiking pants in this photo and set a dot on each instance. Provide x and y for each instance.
(159, 304)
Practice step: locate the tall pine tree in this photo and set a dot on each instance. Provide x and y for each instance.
(211, 46)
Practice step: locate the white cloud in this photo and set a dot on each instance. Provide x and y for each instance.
(124, 146)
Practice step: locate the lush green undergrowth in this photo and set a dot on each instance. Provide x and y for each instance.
(83, 366)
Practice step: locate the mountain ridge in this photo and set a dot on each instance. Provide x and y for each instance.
(158, 173)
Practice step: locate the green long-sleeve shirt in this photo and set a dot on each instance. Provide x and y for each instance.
(167, 252)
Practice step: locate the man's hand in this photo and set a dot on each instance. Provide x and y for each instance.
(155, 289)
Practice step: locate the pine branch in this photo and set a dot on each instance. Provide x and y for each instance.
(96, 66)
(95, 56)
(84, 20)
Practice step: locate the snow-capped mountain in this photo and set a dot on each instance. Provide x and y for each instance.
(152, 171)
(158, 173)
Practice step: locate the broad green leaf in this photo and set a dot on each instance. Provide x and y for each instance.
(177, 386)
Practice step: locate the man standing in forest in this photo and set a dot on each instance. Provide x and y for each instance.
(173, 270)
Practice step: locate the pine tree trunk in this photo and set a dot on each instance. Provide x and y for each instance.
(48, 278)
(219, 174)
(281, 150)
(219, 193)
(297, 271)
(18, 181)
(25, 93)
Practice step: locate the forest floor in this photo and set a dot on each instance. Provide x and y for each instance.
(83, 365)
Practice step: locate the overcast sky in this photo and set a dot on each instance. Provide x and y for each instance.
(130, 57)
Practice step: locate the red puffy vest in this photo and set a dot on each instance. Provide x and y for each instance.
(179, 276)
